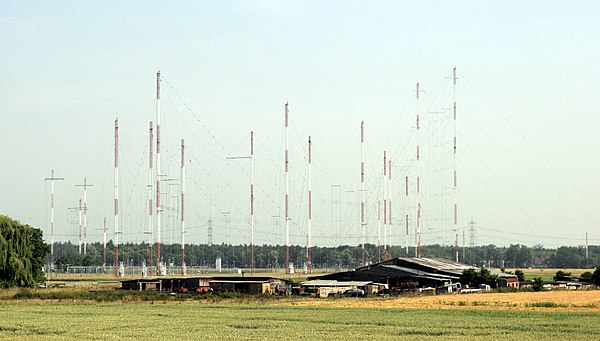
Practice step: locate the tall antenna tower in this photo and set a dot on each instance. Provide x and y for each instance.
(104, 263)
(116, 188)
(252, 199)
(455, 187)
(150, 195)
(52, 178)
(309, 246)
(287, 193)
(406, 213)
(418, 230)
(390, 208)
(362, 188)
(158, 175)
(80, 229)
(85, 186)
(385, 230)
(183, 270)
(379, 230)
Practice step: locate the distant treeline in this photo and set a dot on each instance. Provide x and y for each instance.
(270, 256)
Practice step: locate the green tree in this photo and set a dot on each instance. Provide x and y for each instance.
(520, 275)
(22, 252)
(538, 284)
(596, 276)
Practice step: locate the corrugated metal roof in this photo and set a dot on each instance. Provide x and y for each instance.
(333, 283)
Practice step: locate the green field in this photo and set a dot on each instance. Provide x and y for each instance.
(233, 321)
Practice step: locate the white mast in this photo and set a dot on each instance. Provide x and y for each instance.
(252, 199)
(362, 188)
(385, 234)
(287, 193)
(183, 270)
(418, 228)
(455, 187)
(158, 175)
(52, 178)
(116, 190)
(406, 214)
(150, 195)
(390, 206)
(85, 186)
(379, 230)
(309, 244)
(79, 226)
(104, 264)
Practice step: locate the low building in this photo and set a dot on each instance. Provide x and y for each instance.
(329, 288)
(406, 274)
(507, 280)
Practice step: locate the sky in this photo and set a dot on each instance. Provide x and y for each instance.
(526, 128)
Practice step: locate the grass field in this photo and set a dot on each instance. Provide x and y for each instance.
(545, 315)
(251, 322)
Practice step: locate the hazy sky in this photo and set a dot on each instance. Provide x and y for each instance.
(527, 128)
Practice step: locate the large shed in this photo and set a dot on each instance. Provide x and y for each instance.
(406, 273)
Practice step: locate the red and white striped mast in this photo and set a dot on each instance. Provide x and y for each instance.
(80, 209)
(252, 200)
(150, 195)
(455, 187)
(287, 193)
(362, 188)
(418, 228)
(158, 175)
(52, 178)
(183, 270)
(385, 234)
(116, 202)
(309, 246)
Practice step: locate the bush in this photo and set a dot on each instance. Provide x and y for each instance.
(520, 275)
(538, 284)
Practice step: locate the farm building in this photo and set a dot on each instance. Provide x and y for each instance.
(406, 274)
(247, 285)
(142, 285)
(327, 288)
(507, 280)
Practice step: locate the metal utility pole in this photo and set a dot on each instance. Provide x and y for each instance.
(52, 178)
(362, 189)
(183, 269)
(85, 186)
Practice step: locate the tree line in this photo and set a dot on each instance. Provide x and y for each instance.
(273, 256)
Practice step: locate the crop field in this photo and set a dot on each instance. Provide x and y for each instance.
(545, 315)
(251, 322)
